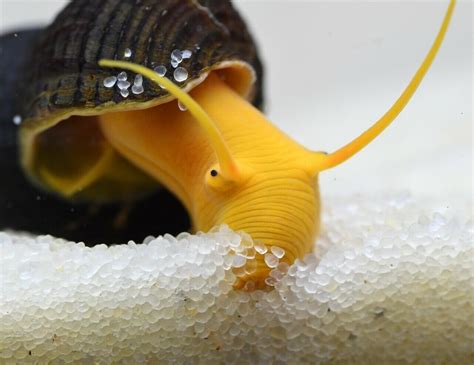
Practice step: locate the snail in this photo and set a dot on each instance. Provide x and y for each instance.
(139, 94)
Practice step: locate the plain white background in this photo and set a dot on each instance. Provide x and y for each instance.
(333, 68)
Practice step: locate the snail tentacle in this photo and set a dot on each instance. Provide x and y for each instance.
(322, 162)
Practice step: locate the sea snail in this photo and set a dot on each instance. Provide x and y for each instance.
(101, 122)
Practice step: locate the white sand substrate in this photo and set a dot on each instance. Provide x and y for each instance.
(391, 281)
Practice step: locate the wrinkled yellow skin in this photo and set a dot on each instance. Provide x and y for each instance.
(276, 199)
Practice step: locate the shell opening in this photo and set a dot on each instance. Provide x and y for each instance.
(76, 161)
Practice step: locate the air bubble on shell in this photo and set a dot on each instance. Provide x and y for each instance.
(177, 56)
(181, 106)
(122, 76)
(138, 80)
(127, 53)
(180, 74)
(124, 92)
(174, 63)
(277, 251)
(160, 70)
(17, 119)
(123, 85)
(137, 89)
(187, 54)
(110, 81)
(271, 260)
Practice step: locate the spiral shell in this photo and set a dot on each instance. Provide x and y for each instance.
(64, 76)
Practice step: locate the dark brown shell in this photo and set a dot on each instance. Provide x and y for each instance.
(64, 74)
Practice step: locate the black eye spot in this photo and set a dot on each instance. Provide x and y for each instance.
(213, 173)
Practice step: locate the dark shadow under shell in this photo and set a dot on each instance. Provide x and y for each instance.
(24, 207)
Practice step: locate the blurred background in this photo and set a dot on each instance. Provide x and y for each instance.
(333, 68)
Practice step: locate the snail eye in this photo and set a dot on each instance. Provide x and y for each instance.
(213, 173)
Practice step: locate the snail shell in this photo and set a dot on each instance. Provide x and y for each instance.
(64, 79)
